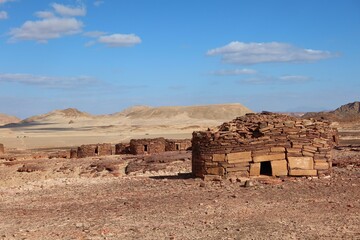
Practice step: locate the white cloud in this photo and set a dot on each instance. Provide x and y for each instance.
(44, 14)
(69, 11)
(45, 29)
(286, 79)
(234, 72)
(94, 34)
(294, 78)
(3, 15)
(4, 1)
(98, 3)
(120, 40)
(253, 53)
(48, 81)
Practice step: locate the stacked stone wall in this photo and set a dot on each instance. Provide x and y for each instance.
(177, 144)
(92, 150)
(147, 146)
(264, 144)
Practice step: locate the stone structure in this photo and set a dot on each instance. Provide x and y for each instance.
(2, 149)
(147, 146)
(92, 150)
(177, 144)
(122, 148)
(73, 153)
(264, 144)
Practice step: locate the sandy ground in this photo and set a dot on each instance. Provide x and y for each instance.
(93, 198)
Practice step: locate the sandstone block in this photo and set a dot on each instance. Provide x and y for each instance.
(270, 157)
(302, 172)
(279, 168)
(239, 157)
(254, 169)
(321, 165)
(301, 162)
(215, 171)
(277, 149)
(308, 154)
(219, 157)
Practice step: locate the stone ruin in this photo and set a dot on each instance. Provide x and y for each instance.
(122, 148)
(177, 144)
(92, 150)
(264, 144)
(2, 149)
(147, 146)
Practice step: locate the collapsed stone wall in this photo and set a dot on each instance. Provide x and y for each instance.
(2, 149)
(264, 144)
(147, 146)
(92, 150)
(177, 144)
(122, 148)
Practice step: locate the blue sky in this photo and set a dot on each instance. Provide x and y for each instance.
(104, 56)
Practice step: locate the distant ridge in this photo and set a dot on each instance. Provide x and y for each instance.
(69, 113)
(7, 119)
(211, 112)
(201, 112)
(346, 113)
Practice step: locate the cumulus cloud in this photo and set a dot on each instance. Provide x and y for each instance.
(253, 53)
(69, 11)
(44, 14)
(234, 72)
(98, 3)
(3, 15)
(45, 29)
(50, 25)
(47, 81)
(120, 40)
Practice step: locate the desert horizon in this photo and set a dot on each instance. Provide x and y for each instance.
(178, 120)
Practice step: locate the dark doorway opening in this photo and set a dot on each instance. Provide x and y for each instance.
(265, 168)
(177, 146)
(145, 148)
(97, 150)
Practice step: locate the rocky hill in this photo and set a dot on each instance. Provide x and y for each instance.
(6, 119)
(346, 113)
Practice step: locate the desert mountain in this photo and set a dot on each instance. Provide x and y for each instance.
(210, 112)
(66, 114)
(345, 113)
(6, 119)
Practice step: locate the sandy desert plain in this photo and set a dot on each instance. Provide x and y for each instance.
(155, 196)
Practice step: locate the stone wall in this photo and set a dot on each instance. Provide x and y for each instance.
(92, 150)
(122, 148)
(264, 144)
(147, 146)
(177, 144)
(2, 149)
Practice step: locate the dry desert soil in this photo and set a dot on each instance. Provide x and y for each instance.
(147, 197)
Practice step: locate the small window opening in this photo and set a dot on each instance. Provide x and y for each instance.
(145, 148)
(265, 168)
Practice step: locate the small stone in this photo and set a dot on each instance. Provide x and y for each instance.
(249, 183)
(202, 184)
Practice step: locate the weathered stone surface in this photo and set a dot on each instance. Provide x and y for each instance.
(255, 169)
(233, 157)
(270, 157)
(277, 149)
(279, 168)
(219, 157)
(302, 172)
(321, 165)
(301, 162)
